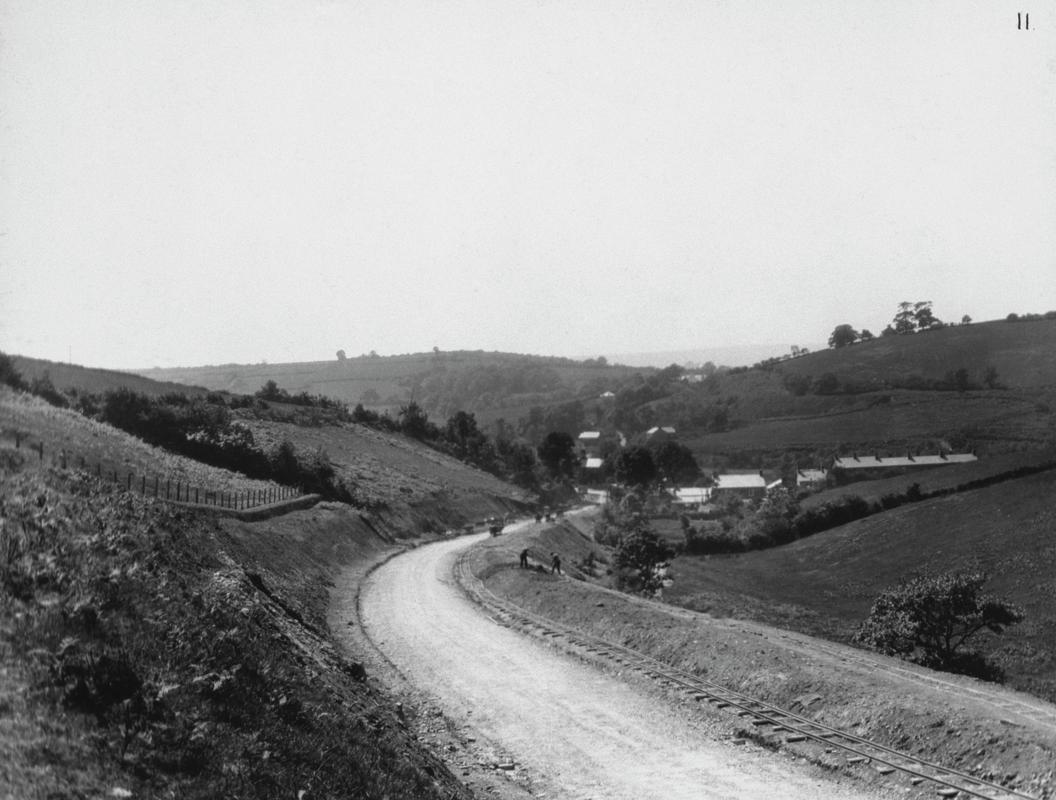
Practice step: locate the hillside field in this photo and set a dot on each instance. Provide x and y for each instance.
(392, 473)
(94, 380)
(825, 584)
(94, 444)
(442, 382)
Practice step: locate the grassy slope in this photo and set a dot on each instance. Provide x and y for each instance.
(400, 475)
(236, 688)
(168, 653)
(1022, 352)
(389, 376)
(767, 417)
(824, 585)
(98, 443)
(93, 380)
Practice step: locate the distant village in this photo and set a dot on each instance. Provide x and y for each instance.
(749, 485)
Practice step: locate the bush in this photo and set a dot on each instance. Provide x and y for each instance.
(641, 559)
(931, 618)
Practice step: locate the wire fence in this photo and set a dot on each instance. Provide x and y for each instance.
(174, 490)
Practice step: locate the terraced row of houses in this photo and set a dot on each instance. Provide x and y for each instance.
(592, 446)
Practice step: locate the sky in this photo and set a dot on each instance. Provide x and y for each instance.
(187, 183)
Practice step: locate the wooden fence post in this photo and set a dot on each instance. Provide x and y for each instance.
(129, 487)
(196, 495)
(40, 449)
(143, 485)
(168, 486)
(18, 440)
(177, 491)
(156, 481)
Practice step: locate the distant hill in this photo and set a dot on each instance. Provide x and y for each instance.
(96, 381)
(989, 385)
(741, 355)
(1023, 353)
(486, 383)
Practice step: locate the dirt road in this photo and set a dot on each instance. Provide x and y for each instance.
(578, 732)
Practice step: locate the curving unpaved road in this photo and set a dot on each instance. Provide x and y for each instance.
(579, 733)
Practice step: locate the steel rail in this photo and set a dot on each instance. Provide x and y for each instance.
(863, 750)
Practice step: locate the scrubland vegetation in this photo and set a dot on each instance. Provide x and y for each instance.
(147, 655)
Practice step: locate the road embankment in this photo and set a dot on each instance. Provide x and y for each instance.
(962, 723)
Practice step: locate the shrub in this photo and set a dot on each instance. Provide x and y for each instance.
(931, 618)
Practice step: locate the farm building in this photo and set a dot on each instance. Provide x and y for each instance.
(596, 496)
(691, 498)
(752, 485)
(811, 478)
(660, 433)
(857, 468)
(590, 443)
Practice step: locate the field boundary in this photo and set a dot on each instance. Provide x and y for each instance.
(248, 504)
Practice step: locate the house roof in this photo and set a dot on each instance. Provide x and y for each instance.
(594, 463)
(660, 429)
(875, 462)
(693, 494)
(608, 394)
(811, 475)
(753, 481)
(590, 435)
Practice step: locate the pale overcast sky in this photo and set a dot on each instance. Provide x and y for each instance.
(204, 182)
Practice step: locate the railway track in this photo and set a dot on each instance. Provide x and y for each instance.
(768, 719)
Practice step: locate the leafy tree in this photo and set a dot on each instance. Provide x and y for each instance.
(843, 335)
(827, 383)
(966, 320)
(43, 387)
(558, 453)
(271, 391)
(931, 618)
(641, 559)
(866, 335)
(923, 317)
(913, 317)
(635, 466)
(990, 378)
(903, 321)
(470, 443)
(9, 376)
(341, 355)
(958, 379)
(675, 462)
(414, 422)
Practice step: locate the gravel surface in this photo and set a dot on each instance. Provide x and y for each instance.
(571, 730)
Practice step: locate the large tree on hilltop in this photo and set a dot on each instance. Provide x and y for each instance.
(843, 335)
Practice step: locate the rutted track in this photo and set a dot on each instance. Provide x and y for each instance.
(769, 719)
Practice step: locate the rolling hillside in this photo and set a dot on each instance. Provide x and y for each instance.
(96, 381)
(889, 394)
(1024, 354)
(442, 383)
